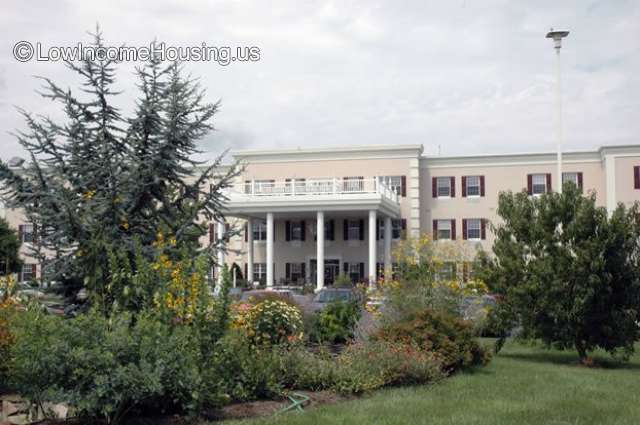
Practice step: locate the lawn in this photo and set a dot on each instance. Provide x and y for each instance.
(523, 385)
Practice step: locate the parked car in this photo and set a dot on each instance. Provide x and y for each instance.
(265, 293)
(328, 295)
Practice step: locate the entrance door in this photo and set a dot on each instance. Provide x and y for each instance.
(331, 270)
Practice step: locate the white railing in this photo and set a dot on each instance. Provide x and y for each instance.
(319, 186)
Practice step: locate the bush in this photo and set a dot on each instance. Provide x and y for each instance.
(273, 322)
(335, 323)
(362, 367)
(451, 338)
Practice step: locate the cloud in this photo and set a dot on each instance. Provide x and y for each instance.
(472, 77)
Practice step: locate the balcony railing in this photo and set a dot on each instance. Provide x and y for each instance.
(310, 187)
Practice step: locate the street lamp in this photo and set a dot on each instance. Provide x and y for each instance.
(557, 37)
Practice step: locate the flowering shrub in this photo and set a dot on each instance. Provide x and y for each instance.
(272, 323)
(8, 305)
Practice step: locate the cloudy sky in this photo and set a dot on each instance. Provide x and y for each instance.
(463, 75)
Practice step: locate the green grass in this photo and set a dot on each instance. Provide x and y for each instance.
(523, 385)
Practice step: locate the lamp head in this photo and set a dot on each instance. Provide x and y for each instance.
(557, 37)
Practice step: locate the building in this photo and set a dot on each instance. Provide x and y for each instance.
(342, 210)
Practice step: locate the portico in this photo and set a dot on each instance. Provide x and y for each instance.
(315, 207)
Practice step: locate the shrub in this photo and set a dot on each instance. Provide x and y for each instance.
(343, 281)
(273, 322)
(335, 323)
(450, 337)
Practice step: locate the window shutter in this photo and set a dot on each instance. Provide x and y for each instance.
(303, 232)
(435, 230)
(464, 186)
(548, 182)
(453, 230)
(378, 229)
(35, 233)
(403, 234)
(246, 270)
(529, 184)
(361, 229)
(580, 181)
(287, 231)
(331, 236)
(34, 269)
(464, 229)
(481, 185)
(303, 272)
(403, 186)
(362, 271)
(453, 187)
(20, 232)
(345, 267)
(287, 272)
(636, 177)
(434, 187)
(246, 232)
(227, 231)
(345, 229)
(212, 233)
(483, 229)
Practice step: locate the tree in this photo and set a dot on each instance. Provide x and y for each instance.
(101, 181)
(9, 247)
(568, 273)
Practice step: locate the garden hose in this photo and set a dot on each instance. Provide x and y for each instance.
(297, 402)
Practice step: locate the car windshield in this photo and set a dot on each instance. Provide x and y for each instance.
(330, 296)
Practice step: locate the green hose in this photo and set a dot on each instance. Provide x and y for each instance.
(297, 402)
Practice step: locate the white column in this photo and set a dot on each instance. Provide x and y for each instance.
(320, 251)
(220, 232)
(269, 250)
(387, 248)
(372, 247)
(559, 120)
(249, 275)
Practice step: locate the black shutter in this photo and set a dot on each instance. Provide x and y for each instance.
(303, 230)
(483, 229)
(530, 184)
(403, 186)
(549, 182)
(303, 267)
(361, 225)
(362, 276)
(345, 267)
(287, 272)
(453, 229)
(345, 229)
(464, 229)
(246, 268)
(481, 185)
(636, 177)
(453, 187)
(464, 186)
(434, 187)
(403, 233)
(435, 230)
(580, 181)
(378, 230)
(20, 232)
(246, 232)
(212, 236)
(332, 230)
(287, 231)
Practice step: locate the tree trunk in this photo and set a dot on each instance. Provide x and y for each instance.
(582, 351)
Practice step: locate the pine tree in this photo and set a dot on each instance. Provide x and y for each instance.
(9, 247)
(102, 181)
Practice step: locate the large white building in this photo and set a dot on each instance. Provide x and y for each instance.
(341, 210)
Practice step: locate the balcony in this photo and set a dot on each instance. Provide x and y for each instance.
(326, 194)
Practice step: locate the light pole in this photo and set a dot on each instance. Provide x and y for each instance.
(557, 37)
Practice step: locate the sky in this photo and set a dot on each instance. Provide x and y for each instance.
(459, 77)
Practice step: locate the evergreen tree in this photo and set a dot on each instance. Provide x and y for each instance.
(568, 273)
(102, 181)
(9, 247)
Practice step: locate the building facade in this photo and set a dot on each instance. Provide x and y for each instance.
(294, 212)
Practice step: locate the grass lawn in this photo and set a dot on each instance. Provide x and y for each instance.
(523, 385)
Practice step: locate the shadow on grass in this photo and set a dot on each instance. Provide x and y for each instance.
(569, 358)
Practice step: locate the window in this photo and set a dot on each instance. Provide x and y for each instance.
(259, 272)
(297, 230)
(473, 185)
(295, 272)
(570, 177)
(354, 272)
(264, 186)
(443, 187)
(538, 184)
(353, 230)
(444, 229)
(474, 229)
(394, 183)
(26, 232)
(353, 184)
(28, 272)
(396, 228)
(259, 230)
